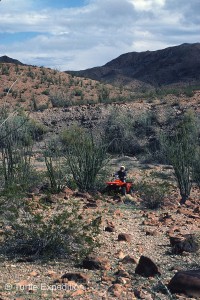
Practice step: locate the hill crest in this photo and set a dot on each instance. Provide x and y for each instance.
(169, 66)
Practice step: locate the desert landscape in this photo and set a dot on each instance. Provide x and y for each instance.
(64, 233)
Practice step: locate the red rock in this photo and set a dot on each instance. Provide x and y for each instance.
(129, 259)
(116, 289)
(33, 274)
(120, 254)
(122, 273)
(78, 293)
(68, 192)
(106, 278)
(118, 213)
(52, 274)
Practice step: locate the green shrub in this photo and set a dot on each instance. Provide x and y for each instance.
(59, 99)
(180, 147)
(152, 193)
(55, 169)
(86, 155)
(61, 234)
(45, 92)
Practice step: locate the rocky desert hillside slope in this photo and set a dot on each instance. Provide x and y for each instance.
(141, 249)
(177, 65)
(38, 88)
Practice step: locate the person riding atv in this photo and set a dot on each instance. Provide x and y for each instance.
(119, 185)
(121, 174)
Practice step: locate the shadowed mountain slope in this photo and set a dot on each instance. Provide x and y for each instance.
(6, 59)
(173, 65)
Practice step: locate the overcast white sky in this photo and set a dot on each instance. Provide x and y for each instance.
(79, 34)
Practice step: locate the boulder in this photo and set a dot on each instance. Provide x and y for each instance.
(77, 277)
(129, 259)
(186, 282)
(96, 263)
(124, 237)
(146, 267)
(184, 243)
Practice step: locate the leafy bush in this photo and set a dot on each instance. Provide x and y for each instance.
(152, 193)
(118, 128)
(45, 92)
(61, 234)
(59, 99)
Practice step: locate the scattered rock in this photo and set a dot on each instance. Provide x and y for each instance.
(120, 254)
(109, 228)
(52, 274)
(117, 198)
(99, 263)
(140, 294)
(146, 267)
(184, 243)
(78, 292)
(33, 274)
(151, 232)
(129, 259)
(116, 289)
(77, 277)
(187, 282)
(82, 195)
(118, 213)
(91, 204)
(122, 273)
(124, 237)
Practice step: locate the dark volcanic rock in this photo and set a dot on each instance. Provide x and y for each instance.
(183, 243)
(96, 263)
(146, 267)
(187, 282)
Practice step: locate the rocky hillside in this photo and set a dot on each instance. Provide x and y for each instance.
(177, 65)
(38, 88)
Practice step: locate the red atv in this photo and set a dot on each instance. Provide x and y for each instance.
(118, 186)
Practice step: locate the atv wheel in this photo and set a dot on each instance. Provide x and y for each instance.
(123, 191)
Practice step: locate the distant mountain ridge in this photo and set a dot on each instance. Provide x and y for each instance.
(6, 59)
(173, 65)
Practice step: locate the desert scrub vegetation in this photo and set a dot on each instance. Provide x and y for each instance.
(152, 192)
(37, 229)
(55, 168)
(129, 133)
(119, 128)
(17, 137)
(60, 99)
(60, 232)
(180, 147)
(85, 154)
